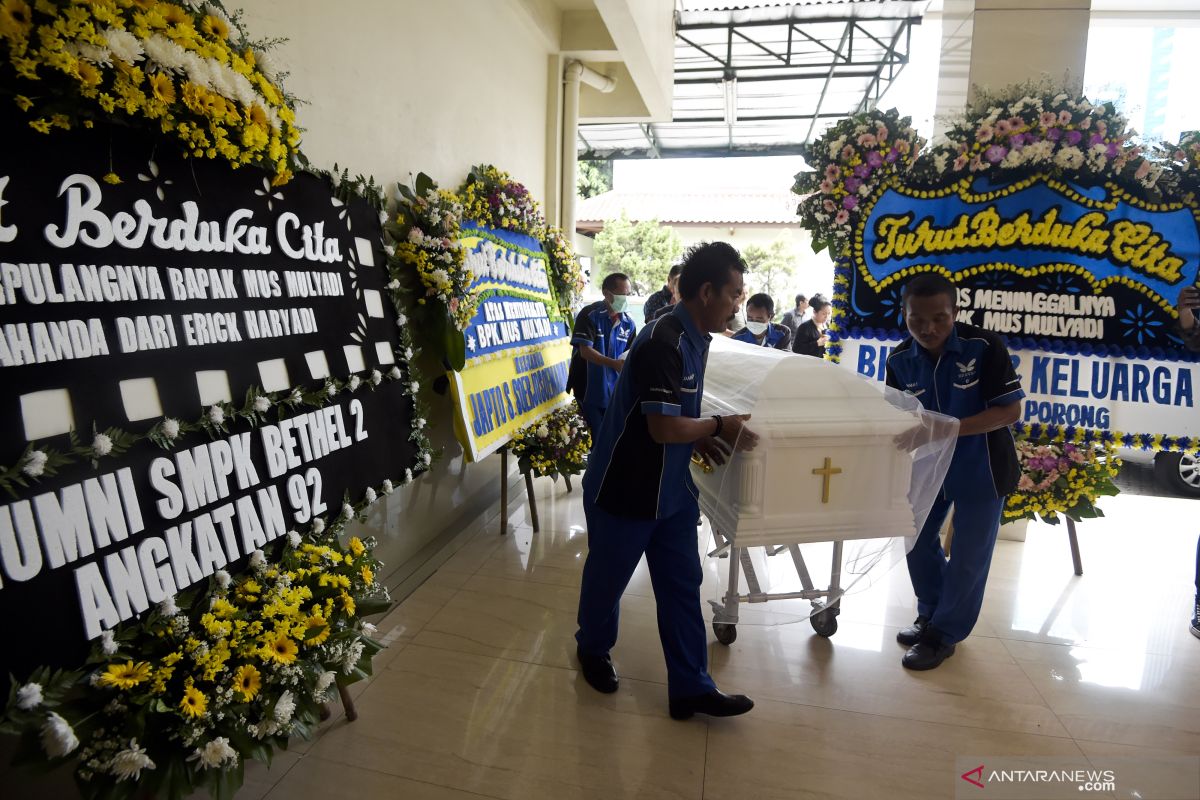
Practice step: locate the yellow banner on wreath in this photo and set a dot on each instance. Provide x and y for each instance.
(499, 396)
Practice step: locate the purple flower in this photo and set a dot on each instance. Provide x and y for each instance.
(874, 159)
(1113, 150)
(1017, 140)
(1054, 134)
(1074, 137)
(1095, 140)
(852, 184)
(995, 154)
(862, 170)
(850, 203)
(891, 157)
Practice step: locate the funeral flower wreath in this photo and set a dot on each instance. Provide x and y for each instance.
(557, 444)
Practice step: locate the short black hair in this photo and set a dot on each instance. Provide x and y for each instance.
(763, 301)
(800, 299)
(675, 270)
(930, 284)
(708, 262)
(818, 302)
(611, 280)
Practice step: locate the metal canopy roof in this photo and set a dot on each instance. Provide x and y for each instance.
(765, 79)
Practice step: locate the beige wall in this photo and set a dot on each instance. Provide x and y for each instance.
(1015, 40)
(405, 86)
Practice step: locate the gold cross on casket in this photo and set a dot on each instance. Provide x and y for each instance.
(827, 472)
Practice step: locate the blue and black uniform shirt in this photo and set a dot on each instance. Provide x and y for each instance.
(778, 336)
(595, 328)
(629, 474)
(973, 373)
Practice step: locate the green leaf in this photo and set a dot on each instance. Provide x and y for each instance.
(456, 348)
(424, 183)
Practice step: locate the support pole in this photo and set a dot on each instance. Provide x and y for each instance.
(348, 704)
(532, 500)
(1075, 557)
(503, 490)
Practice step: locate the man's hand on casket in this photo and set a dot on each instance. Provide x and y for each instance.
(735, 433)
(712, 450)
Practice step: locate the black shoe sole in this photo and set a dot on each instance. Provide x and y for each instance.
(687, 713)
(924, 667)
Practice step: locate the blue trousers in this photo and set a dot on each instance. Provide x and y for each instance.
(950, 591)
(615, 545)
(593, 415)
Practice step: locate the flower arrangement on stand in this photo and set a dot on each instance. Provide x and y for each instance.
(566, 273)
(850, 159)
(177, 701)
(1184, 159)
(1062, 477)
(492, 197)
(556, 444)
(186, 69)
(1035, 128)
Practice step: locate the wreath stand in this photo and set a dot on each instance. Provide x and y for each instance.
(1072, 538)
(529, 495)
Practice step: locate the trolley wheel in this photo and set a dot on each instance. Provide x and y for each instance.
(824, 622)
(726, 632)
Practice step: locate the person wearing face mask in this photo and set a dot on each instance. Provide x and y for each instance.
(603, 332)
(638, 494)
(760, 308)
(810, 336)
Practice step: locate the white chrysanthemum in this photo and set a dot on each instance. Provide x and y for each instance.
(355, 382)
(376, 377)
(408, 476)
(542, 431)
(243, 89)
(169, 56)
(102, 445)
(1069, 158)
(369, 495)
(129, 763)
(257, 560)
(29, 696)
(168, 608)
(100, 56)
(331, 389)
(370, 629)
(414, 387)
(285, 706)
(324, 681)
(108, 643)
(261, 404)
(216, 415)
(388, 488)
(426, 458)
(58, 738)
(266, 64)
(418, 423)
(214, 754)
(123, 45)
(170, 428)
(353, 654)
(347, 511)
(222, 577)
(318, 525)
(394, 373)
(393, 284)
(401, 320)
(293, 538)
(35, 463)
(408, 354)
(196, 68)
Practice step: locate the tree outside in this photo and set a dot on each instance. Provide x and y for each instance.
(643, 250)
(771, 270)
(593, 178)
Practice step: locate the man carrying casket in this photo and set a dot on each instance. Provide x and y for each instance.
(965, 372)
(638, 493)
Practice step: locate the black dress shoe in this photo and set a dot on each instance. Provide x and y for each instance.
(598, 671)
(912, 634)
(715, 704)
(928, 653)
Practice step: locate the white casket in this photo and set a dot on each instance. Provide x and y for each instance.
(827, 466)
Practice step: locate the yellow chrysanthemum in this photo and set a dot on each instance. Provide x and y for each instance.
(357, 547)
(125, 676)
(367, 575)
(194, 703)
(214, 26)
(16, 19)
(112, 178)
(347, 603)
(162, 87)
(247, 681)
(280, 649)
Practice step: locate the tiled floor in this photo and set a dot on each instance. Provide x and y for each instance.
(478, 694)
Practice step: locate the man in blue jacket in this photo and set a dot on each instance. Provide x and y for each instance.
(638, 493)
(965, 372)
(759, 330)
(603, 332)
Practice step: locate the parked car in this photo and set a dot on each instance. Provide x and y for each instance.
(1179, 472)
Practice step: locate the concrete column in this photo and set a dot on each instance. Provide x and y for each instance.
(995, 43)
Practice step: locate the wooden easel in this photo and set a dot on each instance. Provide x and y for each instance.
(1072, 538)
(529, 495)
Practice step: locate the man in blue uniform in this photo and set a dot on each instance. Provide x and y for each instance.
(965, 372)
(638, 493)
(603, 332)
(759, 330)
(666, 296)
